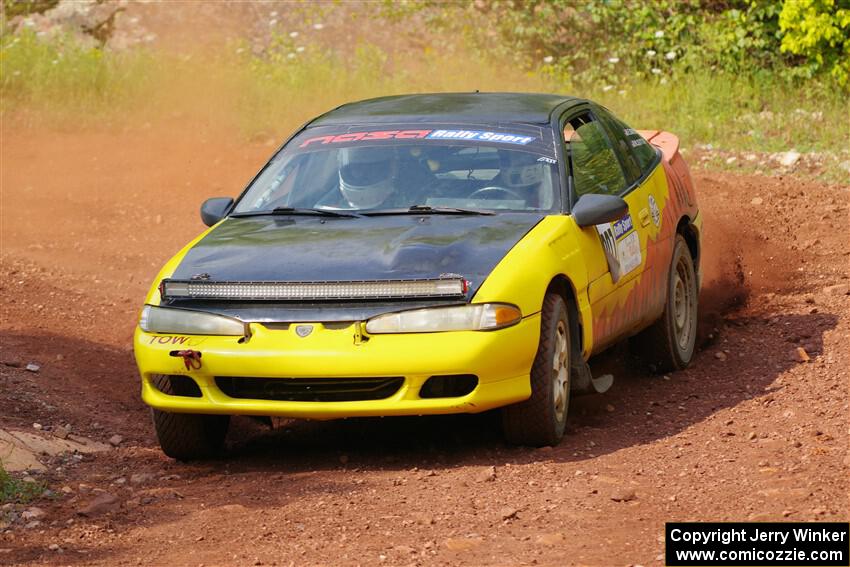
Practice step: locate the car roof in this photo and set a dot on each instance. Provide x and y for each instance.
(473, 108)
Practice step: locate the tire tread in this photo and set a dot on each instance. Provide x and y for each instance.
(657, 343)
(186, 436)
(531, 422)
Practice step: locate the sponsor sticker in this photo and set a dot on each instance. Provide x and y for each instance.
(654, 211)
(480, 135)
(366, 136)
(623, 226)
(629, 251)
(635, 138)
(622, 246)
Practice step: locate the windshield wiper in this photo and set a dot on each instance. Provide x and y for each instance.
(296, 211)
(427, 210)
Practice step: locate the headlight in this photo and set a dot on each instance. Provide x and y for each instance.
(475, 317)
(182, 321)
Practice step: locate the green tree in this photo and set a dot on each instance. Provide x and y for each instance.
(819, 31)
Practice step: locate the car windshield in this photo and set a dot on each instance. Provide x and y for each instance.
(510, 168)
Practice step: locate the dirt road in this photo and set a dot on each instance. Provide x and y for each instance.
(749, 432)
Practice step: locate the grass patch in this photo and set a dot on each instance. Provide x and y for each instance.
(267, 95)
(69, 85)
(63, 77)
(763, 114)
(18, 491)
(279, 89)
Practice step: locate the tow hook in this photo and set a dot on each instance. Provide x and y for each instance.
(191, 358)
(359, 336)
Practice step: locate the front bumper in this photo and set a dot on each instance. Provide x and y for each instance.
(500, 359)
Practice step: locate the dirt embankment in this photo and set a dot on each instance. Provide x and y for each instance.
(748, 432)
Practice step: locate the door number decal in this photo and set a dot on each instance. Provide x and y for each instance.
(622, 246)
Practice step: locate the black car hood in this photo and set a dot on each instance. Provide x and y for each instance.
(281, 248)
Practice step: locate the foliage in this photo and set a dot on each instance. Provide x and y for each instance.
(285, 84)
(14, 490)
(12, 8)
(618, 40)
(733, 111)
(819, 31)
(36, 73)
(740, 39)
(267, 92)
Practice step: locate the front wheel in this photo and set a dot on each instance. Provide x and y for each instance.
(670, 342)
(540, 420)
(185, 436)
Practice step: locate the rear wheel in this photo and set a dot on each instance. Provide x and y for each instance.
(669, 343)
(186, 436)
(540, 420)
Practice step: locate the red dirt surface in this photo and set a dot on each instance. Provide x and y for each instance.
(747, 433)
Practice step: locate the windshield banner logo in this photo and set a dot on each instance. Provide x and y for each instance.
(478, 135)
(368, 136)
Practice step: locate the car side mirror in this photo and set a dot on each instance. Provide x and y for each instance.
(592, 209)
(213, 210)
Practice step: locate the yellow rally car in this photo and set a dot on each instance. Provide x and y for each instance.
(426, 254)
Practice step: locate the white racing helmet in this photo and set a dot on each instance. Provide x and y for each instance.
(366, 175)
(520, 170)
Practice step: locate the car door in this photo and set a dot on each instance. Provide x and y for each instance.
(615, 253)
(649, 193)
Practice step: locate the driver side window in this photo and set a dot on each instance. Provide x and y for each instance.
(595, 167)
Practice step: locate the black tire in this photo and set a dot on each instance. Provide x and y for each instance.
(186, 436)
(670, 342)
(540, 420)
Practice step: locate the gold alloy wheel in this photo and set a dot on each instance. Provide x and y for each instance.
(684, 304)
(560, 383)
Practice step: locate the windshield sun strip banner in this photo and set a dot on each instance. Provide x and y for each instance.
(470, 135)
(506, 136)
